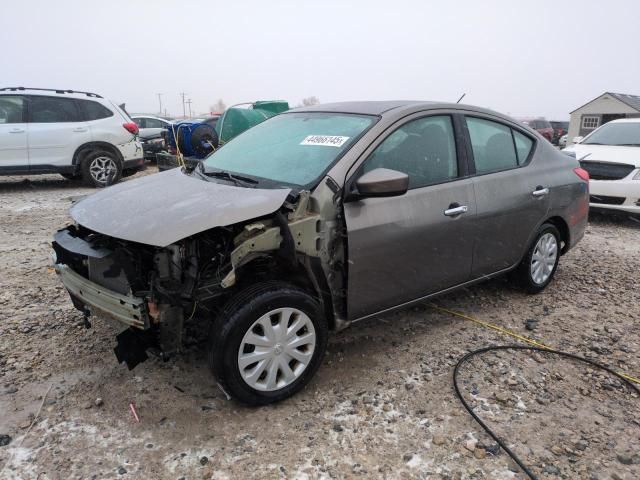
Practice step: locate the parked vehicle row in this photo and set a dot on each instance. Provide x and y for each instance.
(76, 134)
(559, 130)
(540, 125)
(611, 155)
(315, 219)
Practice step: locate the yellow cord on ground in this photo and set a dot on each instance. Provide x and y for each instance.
(511, 334)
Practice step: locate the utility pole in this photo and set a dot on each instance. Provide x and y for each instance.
(160, 102)
(188, 102)
(184, 111)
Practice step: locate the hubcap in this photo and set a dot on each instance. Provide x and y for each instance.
(544, 258)
(103, 169)
(277, 349)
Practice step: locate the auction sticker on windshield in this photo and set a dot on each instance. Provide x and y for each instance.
(324, 140)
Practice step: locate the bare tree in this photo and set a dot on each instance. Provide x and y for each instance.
(218, 107)
(313, 100)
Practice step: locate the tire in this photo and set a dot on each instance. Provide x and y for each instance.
(238, 325)
(101, 168)
(537, 268)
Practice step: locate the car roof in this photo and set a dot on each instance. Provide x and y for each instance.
(393, 107)
(51, 92)
(364, 107)
(150, 116)
(624, 120)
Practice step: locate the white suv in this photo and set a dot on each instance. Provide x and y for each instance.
(75, 134)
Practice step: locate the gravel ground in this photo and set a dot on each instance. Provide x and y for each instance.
(381, 406)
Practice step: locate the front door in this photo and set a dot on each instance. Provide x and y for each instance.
(13, 133)
(406, 247)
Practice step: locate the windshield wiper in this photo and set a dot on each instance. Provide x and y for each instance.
(223, 174)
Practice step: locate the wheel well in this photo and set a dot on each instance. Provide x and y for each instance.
(87, 148)
(309, 278)
(563, 228)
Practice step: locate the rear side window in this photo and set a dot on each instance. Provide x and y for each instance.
(11, 109)
(94, 110)
(153, 123)
(53, 110)
(496, 146)
(523, 146)
(140, 122)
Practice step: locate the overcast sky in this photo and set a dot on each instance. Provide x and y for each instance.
(540, 57)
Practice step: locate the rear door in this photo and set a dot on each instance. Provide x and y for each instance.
(512, 193)
(56, 130)
(403, 248)
(13, 132)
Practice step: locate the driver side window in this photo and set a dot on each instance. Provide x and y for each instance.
(424, 149)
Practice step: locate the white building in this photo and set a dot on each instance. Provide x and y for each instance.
(608, 106)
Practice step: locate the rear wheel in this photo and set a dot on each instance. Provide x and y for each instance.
(101, 168)
(540, 263)
(268, 343)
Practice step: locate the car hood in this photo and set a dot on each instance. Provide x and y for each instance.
(163, 208)
(607, 153)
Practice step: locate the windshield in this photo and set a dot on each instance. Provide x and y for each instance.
(622, 133)
(293, 148)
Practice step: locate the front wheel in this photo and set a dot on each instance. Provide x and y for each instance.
(540, 263)
(268, 342)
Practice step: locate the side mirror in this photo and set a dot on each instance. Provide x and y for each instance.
(578, 139)
(382, 182)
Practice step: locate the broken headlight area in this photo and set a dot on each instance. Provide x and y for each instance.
(151, 290)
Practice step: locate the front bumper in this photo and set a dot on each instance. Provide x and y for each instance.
(622, 195)
(125, 309)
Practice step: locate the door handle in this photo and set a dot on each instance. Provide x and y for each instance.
(17, 130)
(455, 211)
(540, 192)
(80, 130)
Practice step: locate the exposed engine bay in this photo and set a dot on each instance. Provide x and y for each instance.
(156, 290)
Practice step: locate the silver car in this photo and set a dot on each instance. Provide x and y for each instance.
(315, 219)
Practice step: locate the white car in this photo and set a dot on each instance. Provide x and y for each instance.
(76, 134)
(562, 142)
(611, 155)
(149, 126)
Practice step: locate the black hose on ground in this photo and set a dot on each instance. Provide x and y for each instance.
(469, 355)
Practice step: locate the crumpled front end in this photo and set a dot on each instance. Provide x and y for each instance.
(145, 288)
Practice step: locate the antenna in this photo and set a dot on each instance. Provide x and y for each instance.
(461, 97)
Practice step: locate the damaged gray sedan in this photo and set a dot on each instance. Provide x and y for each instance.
(315, 219)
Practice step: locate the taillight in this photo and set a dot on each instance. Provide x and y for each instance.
(582, 173)
(131, 127)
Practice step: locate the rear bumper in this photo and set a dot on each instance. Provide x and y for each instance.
(125, 309)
